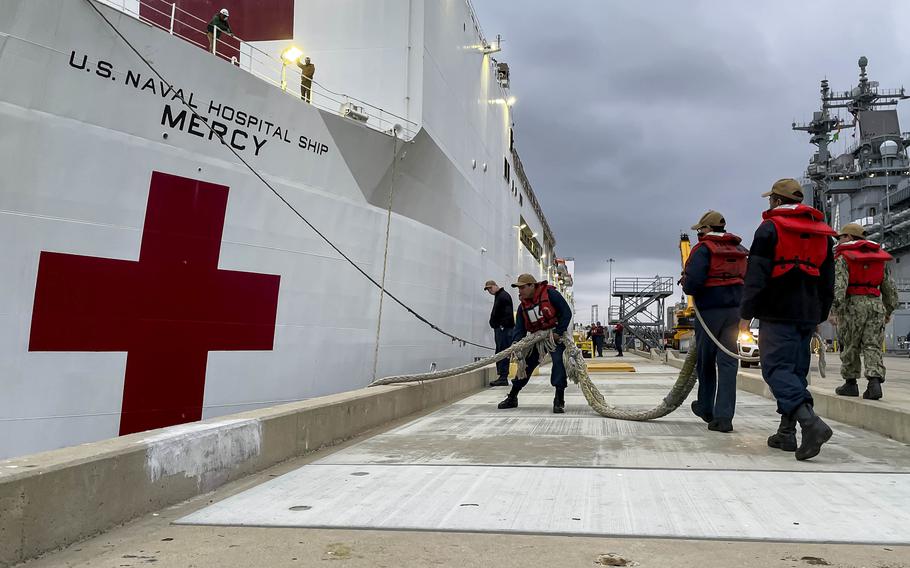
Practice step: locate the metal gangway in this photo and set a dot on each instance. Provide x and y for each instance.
(641, 308)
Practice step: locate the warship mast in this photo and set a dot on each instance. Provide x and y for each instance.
(862, 184)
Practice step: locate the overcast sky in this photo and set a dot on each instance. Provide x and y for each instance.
(634, 118)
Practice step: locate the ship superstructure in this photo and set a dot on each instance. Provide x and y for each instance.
(869, 183)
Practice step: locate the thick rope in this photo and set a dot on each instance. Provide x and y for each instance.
(720, 346)
(577, 372)
(822, 364)
(517, 347)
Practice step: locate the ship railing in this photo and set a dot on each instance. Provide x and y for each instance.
(476, 22)
(285, 75)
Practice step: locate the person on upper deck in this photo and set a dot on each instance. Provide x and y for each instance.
(307, 70)
(219, 21)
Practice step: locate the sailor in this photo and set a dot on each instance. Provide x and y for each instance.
(502, 320)
(713, 276)
(220, 21)
(541, 307)
(864, 298)
(789, 286)
(307, 70)
(596, 333)
(617, 338)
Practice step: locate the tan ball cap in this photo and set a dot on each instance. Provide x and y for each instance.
(853, 229)
(524, 280)
(489, 284)
(710, 219)
(786, 187)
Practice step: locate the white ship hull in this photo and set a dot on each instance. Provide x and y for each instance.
(90, 145)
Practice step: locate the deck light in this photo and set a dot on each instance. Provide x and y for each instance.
(291, 54)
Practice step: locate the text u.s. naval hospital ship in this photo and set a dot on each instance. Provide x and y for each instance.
(150, 275)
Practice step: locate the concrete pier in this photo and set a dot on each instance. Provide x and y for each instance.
(470, 485)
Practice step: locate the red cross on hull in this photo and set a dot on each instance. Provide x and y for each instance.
(167, 311)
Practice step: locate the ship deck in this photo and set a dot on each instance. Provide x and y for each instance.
(471, 485)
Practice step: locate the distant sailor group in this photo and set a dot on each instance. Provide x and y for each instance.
(791, 279)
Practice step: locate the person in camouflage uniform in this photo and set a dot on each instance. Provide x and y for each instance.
(864, 297)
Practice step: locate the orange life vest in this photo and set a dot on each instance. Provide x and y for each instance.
(538, 312)
(802, 239)
(728, 259)
(866, 265)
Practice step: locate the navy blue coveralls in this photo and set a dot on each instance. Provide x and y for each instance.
(719, 307)
(789, 308)
(502, 321)
(598, 340)
(558, 376)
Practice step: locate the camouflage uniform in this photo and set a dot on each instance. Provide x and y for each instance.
(861, 324)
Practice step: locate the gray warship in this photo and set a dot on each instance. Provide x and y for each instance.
(869, 183)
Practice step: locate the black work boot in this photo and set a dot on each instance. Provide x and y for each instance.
(849, 388)
(873, 389)
(785, 438)
(510, 402)
(500, 382)
(814, 432)
(559, 402)
(697, 411)
(721, 425)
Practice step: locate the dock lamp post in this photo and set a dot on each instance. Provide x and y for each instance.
(290, 55)
(610, 289)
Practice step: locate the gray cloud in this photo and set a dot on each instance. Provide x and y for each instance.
(634, 118)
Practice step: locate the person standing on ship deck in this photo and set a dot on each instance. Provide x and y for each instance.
(713, 276)
(220, 21)
(307, 70)
(541, 307)
(502, 320)
(789, 287)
